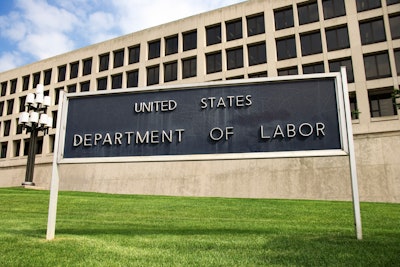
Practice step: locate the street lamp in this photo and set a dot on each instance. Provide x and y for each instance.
(34, 119)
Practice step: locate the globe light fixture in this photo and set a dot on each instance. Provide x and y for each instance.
(34, 120)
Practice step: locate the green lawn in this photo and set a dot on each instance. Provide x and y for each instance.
(129, 230)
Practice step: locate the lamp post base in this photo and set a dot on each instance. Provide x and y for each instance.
(28, 184)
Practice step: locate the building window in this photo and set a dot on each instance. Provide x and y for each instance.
(36, 79)
(372, 31)
(153, 75)
(353, 106)
(381, 103)
(7, 125)
(255, 25)
(171, 45)
(377, 66)
(337, 38)
(116, 81)
(334, 66)
(13, 86)
(170, 71)
(311, 43)
(19, 127)
(54, 115)
(26, 147)
(61, 73)
(104, 61)
(286, 48)
(288, 71)
(57, 91)
(189, 67)
(234, 58)
(3, 152)
(283, 18)
(10, 106)
(333, 8)
(22, 100)
(257, 53)
(74, 67)
(85, 86)
(213, 34)
(25, 83)
(154, 49)
(258, 74)
(234, 30)
(102, 83)
(314, 68)
(363, 5)
(71, 88)
(1, 108)
(119, 58)
(397, 60)
(395, 26)
(17, 147)
(134, 54)
(87, 66)
(132, 79)
(214, 62)
(47, 77)
(308, 13)
(392, 2)
(3, 88)
(189, 40)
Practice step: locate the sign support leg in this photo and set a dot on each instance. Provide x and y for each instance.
(352, 158)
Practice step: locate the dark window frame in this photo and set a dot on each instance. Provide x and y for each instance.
(283, 18)
(171, 71)
(364, 5)
(87, 66)
(306, 12)
(62, 71)
(257, 53)
(74, 69)
(102, 83)
(118, 56)
(255, 24)
(154, 49)
(153, 75)
(234, 29)
(313, 39)
(189, 40)
(214, 62)
(333, 8)
(171, 45)
(234, 58)
(132, 78)
(372, 31)
(116, 81)
(381, 103)
(335, 64)
(134, 54)
(317, 67)
(213, 34)
(189, 67)
(286, 47)
(337, 38)
(374, 70)
(104, 62)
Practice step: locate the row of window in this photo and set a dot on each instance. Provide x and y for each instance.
(17, 147)
(308, 12)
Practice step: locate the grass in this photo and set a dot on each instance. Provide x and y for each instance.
(130, 230)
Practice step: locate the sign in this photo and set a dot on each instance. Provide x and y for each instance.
(232, 119)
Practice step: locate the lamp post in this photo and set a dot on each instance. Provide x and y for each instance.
(35, 119)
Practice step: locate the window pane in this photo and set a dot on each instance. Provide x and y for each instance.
(153, 75)
(257, 54)
(214, 62)
(311, 43)
(36, 79)
(213, 34)
(74, 70)
(363, 5)
(154, 49)
(102, 83)
(47, 77)
(71, 88)
(25, 82)
(132, 79)
(134, 54)
(118, 58)
(377, 66)
(10, 106)
(333, 8)
(235, 58)
(189, 67)
(372, 31)
(61, 73)
(189, 40)
(104, 61)
(395, 26)
(85, 86)
(397, 60)
(234, 30)
(308, 13)
(314, 68)
(116, 81)
(337, 38)
(171, 45)
(87, 67)
(170, 71)
(288, 71)
(381, 103)
(286, 48)
(255, 25)
(284, 18)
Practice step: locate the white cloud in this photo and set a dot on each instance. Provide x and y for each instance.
(39, 29)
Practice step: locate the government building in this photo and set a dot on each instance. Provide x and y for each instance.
(256, 38)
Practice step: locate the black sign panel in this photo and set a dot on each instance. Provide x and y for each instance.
(270, 116)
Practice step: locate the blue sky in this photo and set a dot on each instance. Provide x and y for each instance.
(31, 30)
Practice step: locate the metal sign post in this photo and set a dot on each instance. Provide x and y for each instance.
(352, 158)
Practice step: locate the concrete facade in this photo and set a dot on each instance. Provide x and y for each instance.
(376, 128)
